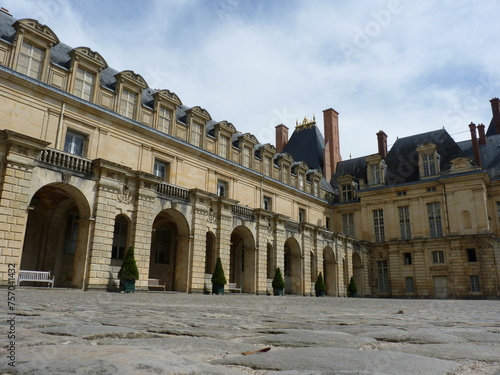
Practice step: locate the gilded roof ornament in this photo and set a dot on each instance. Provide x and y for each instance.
(306, 124)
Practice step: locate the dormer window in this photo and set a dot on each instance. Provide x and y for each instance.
(267, 165)
(347, 193)
(223, 146)
(30, 60)
(164, 120)
(376, 169)
(246, 157)
(196, 134)
(428, 160)
(429, 165)
(128, 101)
(84, 84)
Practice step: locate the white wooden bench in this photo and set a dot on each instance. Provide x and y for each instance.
(35, 276)
(157, 283)
(233, 288)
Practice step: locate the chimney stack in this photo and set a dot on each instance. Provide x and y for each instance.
(382, 143)
(495, 108)
(482, 135)
(475, 146)
(281, 138)
(332, 142)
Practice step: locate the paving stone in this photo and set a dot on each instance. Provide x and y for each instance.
(343, 361)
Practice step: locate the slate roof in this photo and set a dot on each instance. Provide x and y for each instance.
(307, 145)
(490, 154)
(402, 159)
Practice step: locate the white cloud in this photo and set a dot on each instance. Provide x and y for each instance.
(414, 67)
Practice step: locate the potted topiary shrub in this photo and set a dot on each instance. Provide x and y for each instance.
(319, 286)
(218, 278)
(352, 289)
(129, 272)
(278, 283)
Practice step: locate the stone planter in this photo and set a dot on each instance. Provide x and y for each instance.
(128, 286)
(278, 291)
(217, 288)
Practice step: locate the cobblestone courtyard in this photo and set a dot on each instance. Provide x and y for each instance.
(75, 332)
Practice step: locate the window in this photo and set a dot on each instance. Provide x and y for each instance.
(268, 203)
(409, 285)
(221, 188)
(119, 238)
(438, 257)
(407, 259)
(301, 181)
(74, 143)
(84, 84)
(161, 169)
(346, 193)
(431, 189)
(246, 157)
(302, 215)
(378, 223)
(434, 214)
(127, 103)
(348, 224)
(71, 233)
(327, 222)
(196, 134)
(286, 175)
(474, 283)
(401, 193)
(164, 120)
(270, 268)
(316, 188)
(375, 174)
(267, 165)
(30, 61)
(223, 146)
(471, 255)
(383, 276)
(429, 164)
(404, 222)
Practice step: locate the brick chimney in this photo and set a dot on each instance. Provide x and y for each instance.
(382, 143)
(495, 108)
(475, 145)
(482, 135)
(281, 137)
(332, 142)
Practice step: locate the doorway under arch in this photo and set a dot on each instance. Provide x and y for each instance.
(357, 268)
(169, 256)
(293, 267)
(242, 259)
(330, 271)
(56, 236)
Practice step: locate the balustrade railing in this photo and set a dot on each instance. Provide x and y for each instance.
(173, 191)
(65, 160)
(242, 211)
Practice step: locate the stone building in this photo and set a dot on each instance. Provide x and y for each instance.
(430, 210)
(94, 161)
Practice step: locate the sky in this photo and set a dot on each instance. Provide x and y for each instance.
(404, 67)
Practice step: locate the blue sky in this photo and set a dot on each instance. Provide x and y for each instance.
(404, 67)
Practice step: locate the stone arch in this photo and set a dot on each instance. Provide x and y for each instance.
(169, 255)
(330, 272)
(210, 257)
(293, 267)
(357, 268)
(243, 256)
(56, 236)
